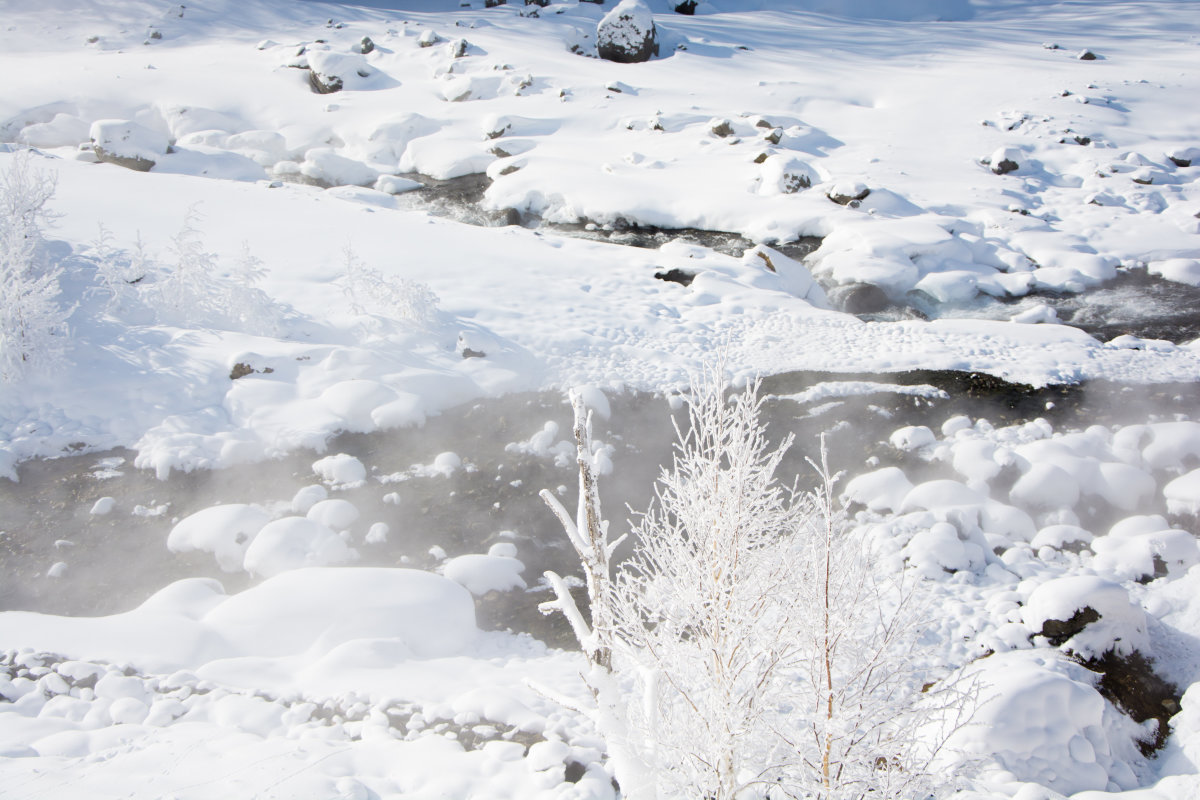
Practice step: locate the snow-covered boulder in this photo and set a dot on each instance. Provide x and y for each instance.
(225, 531)
(1142, 547)
(330, 72)
(341, 470)
(1086, 615)
(1005, 160)
(782, 174)
(127, 144)
(627, 33)
(294, 542)
(293, 612)
(1183, 494)
(481, 574)
(883, 489)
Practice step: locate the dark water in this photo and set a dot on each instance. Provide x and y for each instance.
(114, 561)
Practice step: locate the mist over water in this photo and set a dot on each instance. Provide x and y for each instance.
(115, 561)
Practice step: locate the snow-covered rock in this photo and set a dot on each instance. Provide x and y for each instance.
(226, 531)
(127, 144)
(1087, 615)
(627, 33)
(292, 543)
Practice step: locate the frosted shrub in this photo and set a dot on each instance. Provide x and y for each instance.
(33, 326)
(867, 719)
(194, 290)
(117, 273)
(372, 292)
(750, 646)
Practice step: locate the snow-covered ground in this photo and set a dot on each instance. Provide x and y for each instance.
(256, 276)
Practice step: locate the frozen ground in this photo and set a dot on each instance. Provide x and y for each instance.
(1011, 185)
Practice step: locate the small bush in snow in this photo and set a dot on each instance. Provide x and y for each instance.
(33, 326)
(372, 292)
(194, 290)
(117, 273)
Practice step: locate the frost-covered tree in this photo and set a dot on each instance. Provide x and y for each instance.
(33, 324)
(751, 647)
(705, 620)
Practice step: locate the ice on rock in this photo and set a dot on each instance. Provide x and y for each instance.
(1180, 270)
(941, 493)
(329, 167)
(292, 543)
(377, 533)
(792, 276)
(1171, 445)
(939, 549)
(444, 465)
(394, 184)
(355, 400)
(226, 531)
(782, 174)
(63, 130)
(974, 459)
(1061, 537)
(341, 471)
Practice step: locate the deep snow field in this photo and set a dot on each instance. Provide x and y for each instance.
(292, 445)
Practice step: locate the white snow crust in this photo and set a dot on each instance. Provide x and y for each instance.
(354, 308)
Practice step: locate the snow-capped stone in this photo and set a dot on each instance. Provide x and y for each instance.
(627, 33)
(127, 144)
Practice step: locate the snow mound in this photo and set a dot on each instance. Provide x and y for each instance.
(294, 542)
(1043, 722)
(290, 613)
(226, 531)
(341, 471)
(1183, 494)
(481, 574)
(336, 514)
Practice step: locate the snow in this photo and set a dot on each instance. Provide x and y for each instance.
(354, 307)
(1120, 629)
(340, 471)
(225, 531)
(291, 543)
(481, 574)
(1048, 725)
